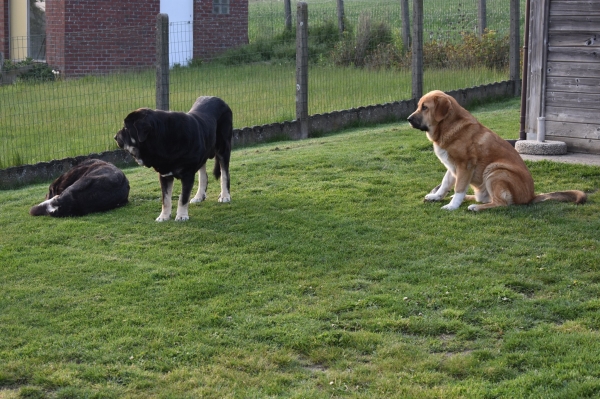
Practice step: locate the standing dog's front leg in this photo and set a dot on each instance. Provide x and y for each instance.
(463, 178)
(442, 189)
(166, 186)
(202, 185)
(187, 183)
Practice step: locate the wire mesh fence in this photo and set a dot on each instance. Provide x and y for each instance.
(48, 112)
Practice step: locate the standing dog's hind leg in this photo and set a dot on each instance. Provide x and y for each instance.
(224, 196)
(224, 164)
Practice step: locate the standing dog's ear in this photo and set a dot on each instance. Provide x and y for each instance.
(442, 107)
(143, 127)
(140, 119)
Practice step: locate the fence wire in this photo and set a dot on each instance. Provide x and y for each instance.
(48, 114)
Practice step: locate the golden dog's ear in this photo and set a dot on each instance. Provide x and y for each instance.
(442, 108)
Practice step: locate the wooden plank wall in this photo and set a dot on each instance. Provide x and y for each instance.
(572, 101)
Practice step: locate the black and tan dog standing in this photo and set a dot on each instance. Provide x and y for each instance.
(178, 144)
(477, 157)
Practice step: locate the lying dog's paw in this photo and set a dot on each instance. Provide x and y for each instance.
(432, 198)
(473, 208)
(224, 198)
(163, 218)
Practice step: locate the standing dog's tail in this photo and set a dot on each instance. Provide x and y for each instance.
(217, 168)
(576, 196)
(224, 135)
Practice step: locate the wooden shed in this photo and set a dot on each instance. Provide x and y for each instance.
(563, 73)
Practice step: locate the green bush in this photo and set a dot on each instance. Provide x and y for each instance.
(39, 71)
(388, 55)
(488, 50)
(374, 45)
(282, 47)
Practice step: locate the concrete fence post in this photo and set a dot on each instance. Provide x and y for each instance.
(288, 14)
(481, 17)
(515, 46)
(340, 14)
(162, 62)
(302, 70)
(405, 14)
(417, 50)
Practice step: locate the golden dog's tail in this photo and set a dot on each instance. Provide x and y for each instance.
(576, 196)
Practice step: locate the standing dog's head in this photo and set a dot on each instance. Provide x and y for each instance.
(137, 127)
(433, 108)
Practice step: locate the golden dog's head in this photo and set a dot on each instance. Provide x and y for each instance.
(433, 108)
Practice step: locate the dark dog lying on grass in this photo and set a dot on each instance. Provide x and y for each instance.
(91, 186)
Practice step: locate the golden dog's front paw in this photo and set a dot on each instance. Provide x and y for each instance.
(450, 207)
(432, 198)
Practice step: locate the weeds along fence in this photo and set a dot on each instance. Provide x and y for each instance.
(73, 100)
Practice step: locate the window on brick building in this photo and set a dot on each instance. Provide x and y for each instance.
(220, 6)
(26, 28)
(37, 29)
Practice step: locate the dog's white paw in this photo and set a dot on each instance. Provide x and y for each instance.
(224, 199)
(450, 207)
(182, 218)
(198, 199)
(163, 218)
(432, 198)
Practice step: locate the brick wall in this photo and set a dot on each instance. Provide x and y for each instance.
(4, 33)
(215, 33)
(90, 37)
(55, 33)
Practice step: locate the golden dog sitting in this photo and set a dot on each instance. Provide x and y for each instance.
(477, 157)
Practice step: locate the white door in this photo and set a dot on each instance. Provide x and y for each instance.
(181, 30)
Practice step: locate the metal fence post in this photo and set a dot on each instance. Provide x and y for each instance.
(302, 70)
(288, 14)
(514, 52)
(340, 13)
(417, 49)
(162, 62)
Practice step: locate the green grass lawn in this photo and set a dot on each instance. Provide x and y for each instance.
(442, 19)
(326, 276)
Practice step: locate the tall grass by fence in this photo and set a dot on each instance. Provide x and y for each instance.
(45, 115)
